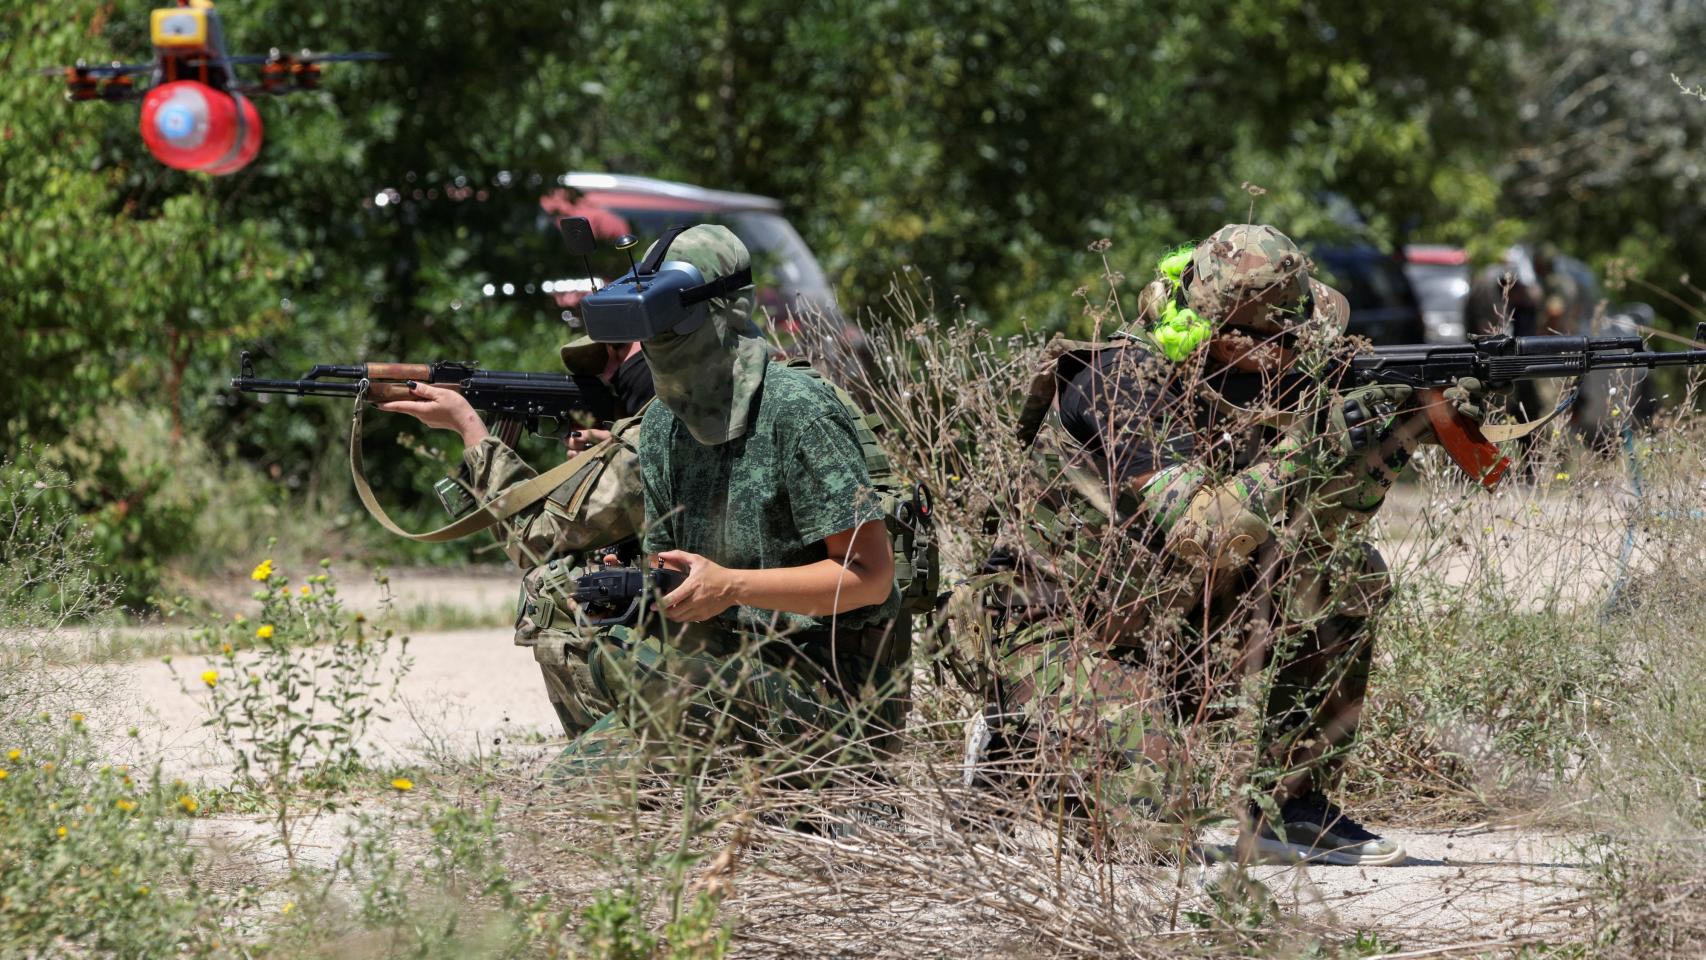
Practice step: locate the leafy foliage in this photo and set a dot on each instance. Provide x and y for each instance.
(96, 855)
(982, 145)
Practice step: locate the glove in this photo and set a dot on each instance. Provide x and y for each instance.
(1468, 397)
(1361, 417)
(1219, 529)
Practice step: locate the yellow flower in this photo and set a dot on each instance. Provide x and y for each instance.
(287, 908)
(4, 774)
(225, 648)
(14, 754)
(1561, 476)
(142, 890)
(188, 803)
(124, 804)
(305, 589)
(403, 783)
(63, 832)
(264, 632)
(76, 718)
(262, 571)
(210, 677)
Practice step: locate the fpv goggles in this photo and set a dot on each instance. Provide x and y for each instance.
(657, 296)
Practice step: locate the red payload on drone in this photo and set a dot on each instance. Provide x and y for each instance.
(196, 114)
(190, 126)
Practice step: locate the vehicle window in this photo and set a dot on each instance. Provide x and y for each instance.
(1386, 283)
(1369, 283)
(788, 256)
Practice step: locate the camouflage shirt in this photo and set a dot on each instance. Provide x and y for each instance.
(609, 513)
(766, 499)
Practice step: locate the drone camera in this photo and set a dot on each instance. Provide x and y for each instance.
(179, 28)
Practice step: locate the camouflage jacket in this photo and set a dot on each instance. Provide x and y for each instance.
(600, 506)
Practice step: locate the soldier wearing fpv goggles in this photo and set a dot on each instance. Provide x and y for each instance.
(786, 640)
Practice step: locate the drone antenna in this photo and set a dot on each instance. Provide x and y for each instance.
(626, 243)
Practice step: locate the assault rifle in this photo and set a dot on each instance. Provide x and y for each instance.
(602, 593)
(548, 404)
(1498, 361)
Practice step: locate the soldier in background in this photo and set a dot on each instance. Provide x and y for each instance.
(1537, 290)
(596, 513)
(1214, 484)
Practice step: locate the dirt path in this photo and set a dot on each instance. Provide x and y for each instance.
(1459, 885)
(468, 692)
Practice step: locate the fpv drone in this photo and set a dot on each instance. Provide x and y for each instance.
(196, 113)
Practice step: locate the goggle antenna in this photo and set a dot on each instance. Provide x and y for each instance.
(626, 243)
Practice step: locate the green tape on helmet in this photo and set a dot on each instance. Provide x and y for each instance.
(1173, 263)
(1178, 329)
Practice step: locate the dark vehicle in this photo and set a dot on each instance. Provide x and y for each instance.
(790, 280)
(1383, 304)
(1440, 276)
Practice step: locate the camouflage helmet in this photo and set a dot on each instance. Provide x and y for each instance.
(585, 355)
(1244, 262)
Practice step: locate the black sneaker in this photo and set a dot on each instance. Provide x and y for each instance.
(1314, 830)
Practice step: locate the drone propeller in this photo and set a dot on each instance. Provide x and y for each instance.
(305, 56)
(110, 82)
(82, 70)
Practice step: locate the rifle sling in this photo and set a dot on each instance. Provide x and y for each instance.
(1501, 432)
(489, 514)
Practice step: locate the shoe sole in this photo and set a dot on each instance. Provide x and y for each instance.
(1272, 850)
(978, 736)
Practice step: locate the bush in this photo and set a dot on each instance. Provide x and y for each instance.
(292, 695)
(94, 856)
(47, 581)
(153, 503)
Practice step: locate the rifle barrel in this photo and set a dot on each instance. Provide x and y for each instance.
(301, 388)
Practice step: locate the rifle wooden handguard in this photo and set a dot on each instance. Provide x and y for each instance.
(384, 391)
(1463, 440)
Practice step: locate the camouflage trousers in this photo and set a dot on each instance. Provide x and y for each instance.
(563, 644)
(1103, 724)
(803, 705)
(565, 660)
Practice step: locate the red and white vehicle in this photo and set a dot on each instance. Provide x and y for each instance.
(790, 281)
(1440, 276)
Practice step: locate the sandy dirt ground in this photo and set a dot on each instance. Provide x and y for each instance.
(1459, 885)
(466, 693)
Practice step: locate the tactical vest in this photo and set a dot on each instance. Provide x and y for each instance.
(906, 507)
(540, 612)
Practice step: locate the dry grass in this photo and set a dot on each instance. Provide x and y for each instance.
(1530, 670)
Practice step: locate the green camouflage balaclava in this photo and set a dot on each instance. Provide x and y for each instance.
(1246, 261)
(709, 378)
